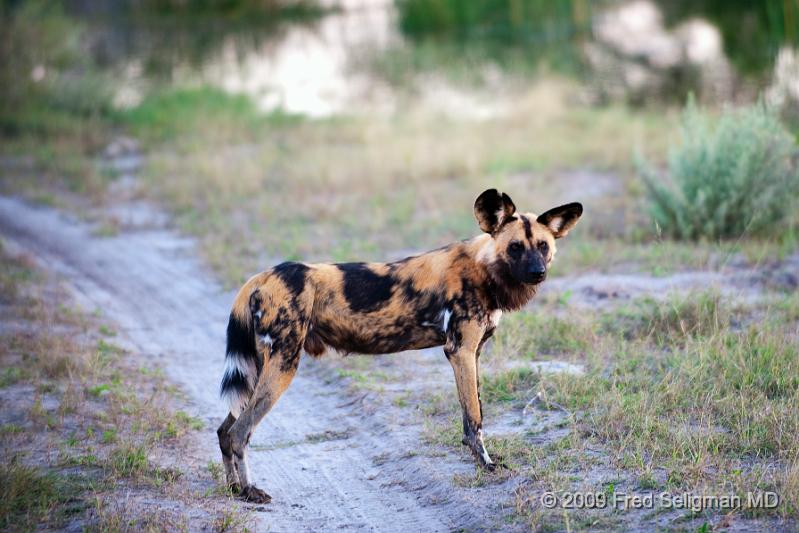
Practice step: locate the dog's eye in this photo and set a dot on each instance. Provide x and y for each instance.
(543, 247)
(515, 247)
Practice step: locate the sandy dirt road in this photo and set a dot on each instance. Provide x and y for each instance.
(327, 462)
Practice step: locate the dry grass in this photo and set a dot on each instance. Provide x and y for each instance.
(359, 187)
(116, 516)
(232, 520)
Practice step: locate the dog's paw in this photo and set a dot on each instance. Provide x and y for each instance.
(499, 463)
(494, 466)
(253, 494)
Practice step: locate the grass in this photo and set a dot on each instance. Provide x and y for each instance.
(231, 9)
(526, 33)
(129, 461)
(338, 193)
(673, 322)
(639, 252)
(364, 187)
(57, 119)
(232, 520)
(358, 187)
(117, 516)
(29, 497)
(699, 410)
(531, 335)
(509, 385)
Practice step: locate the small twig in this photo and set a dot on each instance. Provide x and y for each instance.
(538, 398)
(560, 407)
(533, 401)
(356, 400)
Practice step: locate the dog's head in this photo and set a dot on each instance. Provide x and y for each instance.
(522, 244)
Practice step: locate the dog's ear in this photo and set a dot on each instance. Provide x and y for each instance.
(492, 210)
(561, 219)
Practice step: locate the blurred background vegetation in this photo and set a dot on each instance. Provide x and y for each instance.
(752, 31)
(340, 108)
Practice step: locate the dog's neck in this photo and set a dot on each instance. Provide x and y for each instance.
(508, 294)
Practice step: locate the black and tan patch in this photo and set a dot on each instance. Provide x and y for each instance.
(364, 289)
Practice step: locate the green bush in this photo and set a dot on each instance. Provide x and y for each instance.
(731, 176)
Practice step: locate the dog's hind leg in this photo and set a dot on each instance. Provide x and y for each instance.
(278, 371)
(231, 475)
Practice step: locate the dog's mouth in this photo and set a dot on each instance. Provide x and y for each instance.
(534, 278)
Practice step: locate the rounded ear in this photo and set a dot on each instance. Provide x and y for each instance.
(492, 210)
(561, 219)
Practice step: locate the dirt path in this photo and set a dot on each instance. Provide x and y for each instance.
(315, 454)
(737, 280)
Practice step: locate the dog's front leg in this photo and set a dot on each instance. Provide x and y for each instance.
(463, 340)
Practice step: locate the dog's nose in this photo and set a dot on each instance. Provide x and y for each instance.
(536, 273)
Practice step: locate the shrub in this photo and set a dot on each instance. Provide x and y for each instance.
(730, 176)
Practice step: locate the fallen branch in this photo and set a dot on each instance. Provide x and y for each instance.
(353, 402)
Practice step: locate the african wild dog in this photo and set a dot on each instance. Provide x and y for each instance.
(452, 296)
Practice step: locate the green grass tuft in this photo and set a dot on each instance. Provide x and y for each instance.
(510, 385)
(530, 335)
(129, 460)
(27, 496)
(670, 322)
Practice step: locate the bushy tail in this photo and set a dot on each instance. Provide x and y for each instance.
(241, 358)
